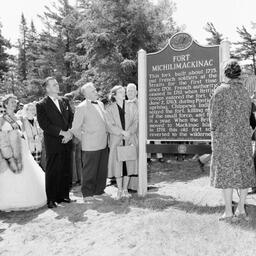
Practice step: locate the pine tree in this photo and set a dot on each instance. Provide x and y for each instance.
(4, 56)
(28, 67)
(113, 32)
(11, 83)
(216, 37)
(246, 48)
(61, 39)
(22, 48)
(32, 52)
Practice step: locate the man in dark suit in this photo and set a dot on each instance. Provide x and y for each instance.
(55, 117)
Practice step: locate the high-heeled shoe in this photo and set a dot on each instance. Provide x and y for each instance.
(227, 218)
(126, 194)
(242, 216)
(118, 195)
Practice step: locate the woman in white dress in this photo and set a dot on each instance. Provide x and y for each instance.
(22, 181)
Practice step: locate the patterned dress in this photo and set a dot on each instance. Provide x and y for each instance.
(229, 112)
(34, 137)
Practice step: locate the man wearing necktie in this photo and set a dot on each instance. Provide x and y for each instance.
(55, 117)
(90, 127)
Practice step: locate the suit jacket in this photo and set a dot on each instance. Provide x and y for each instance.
(52, 121)
(89, 126)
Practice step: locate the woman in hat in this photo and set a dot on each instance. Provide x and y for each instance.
(232, 163)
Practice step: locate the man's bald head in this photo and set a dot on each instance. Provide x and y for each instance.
(131, 91)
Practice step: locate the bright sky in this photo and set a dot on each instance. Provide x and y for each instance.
(226, 15)
(10, 15)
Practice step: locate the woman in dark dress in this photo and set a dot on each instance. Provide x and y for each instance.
(122, 124)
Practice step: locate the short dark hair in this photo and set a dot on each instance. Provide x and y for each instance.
(232, 69)
(46, 80)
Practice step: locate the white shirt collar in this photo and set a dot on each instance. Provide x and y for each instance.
(53, 99)
(133, 100)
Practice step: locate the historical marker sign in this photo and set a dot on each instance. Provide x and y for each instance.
(180, 80)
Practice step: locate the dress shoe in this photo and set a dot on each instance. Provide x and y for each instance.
(119, 195)
(68, 200)
(227, 218)
(242, 216)
(65, 200)
(51, 204)
(161, 160)
(100, 193)
(100, 196)
(126, 194)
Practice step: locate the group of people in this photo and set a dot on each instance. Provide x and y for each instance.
(107, 135)
(108, 139)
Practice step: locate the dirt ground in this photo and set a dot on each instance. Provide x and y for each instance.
(179, 216)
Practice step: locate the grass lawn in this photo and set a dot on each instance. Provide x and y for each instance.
(179, 216)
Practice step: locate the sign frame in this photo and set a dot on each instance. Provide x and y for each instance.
(224, 52)
(169, 44)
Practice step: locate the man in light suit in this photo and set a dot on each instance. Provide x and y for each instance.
(90, 127)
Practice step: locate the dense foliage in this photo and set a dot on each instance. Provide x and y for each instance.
(92, 41)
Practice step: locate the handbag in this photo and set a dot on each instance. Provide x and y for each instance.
(126, 153)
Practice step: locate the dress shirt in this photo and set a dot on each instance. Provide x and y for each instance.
(98, 108)
(56, 102)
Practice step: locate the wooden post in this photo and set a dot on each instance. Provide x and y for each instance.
(224, 56)
(142, 99)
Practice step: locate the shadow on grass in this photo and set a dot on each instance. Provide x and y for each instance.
(104, 204)
(175, 171)
(183, 171)
(21, 217)
(153, 201)
(76, 212)
(1, 231)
